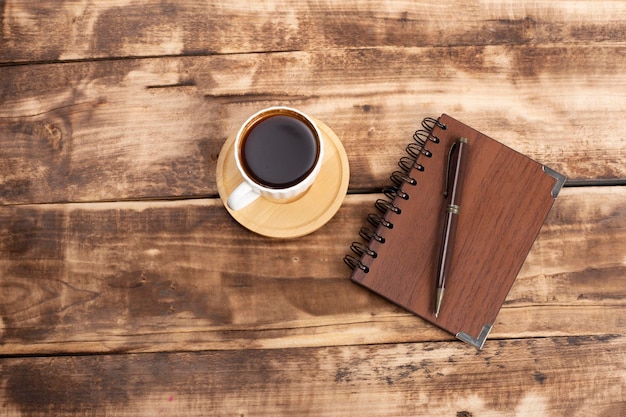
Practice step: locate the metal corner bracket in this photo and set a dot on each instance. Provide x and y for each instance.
(478, 342)
(560, 180)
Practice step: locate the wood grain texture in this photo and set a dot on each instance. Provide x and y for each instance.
(161, 276)
(153, 128)
(77, 30)
(538, 377)
(162, 304)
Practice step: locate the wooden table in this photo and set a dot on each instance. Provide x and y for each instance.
(127, 288)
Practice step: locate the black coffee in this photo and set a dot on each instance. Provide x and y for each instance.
(279, 151)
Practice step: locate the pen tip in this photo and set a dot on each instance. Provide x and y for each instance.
(438, 301)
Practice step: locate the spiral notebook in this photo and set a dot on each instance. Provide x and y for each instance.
(505, 201)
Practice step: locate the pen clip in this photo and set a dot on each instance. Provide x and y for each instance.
(452, 148)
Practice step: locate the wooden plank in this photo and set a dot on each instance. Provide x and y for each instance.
(78, 30)
(538, 377)
(153, 128)
(182, 275)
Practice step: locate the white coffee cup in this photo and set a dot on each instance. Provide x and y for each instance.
(279, 153)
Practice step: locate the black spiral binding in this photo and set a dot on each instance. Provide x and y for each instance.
(415, 151)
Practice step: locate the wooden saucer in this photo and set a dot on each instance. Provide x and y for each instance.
(297, 218)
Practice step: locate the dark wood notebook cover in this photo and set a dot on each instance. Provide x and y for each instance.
(506, 198)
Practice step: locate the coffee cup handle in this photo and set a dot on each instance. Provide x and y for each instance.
(242, 196)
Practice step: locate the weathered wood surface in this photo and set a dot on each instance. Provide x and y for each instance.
(77, 30)
(151, 306)
(163, 276)
(534, 377)
(153, 128)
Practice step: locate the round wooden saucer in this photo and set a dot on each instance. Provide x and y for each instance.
(297, 218)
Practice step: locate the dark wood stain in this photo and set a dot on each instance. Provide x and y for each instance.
(114, 24)
(47, 138)
(540, 377)
(38, 389)
(70, 385)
